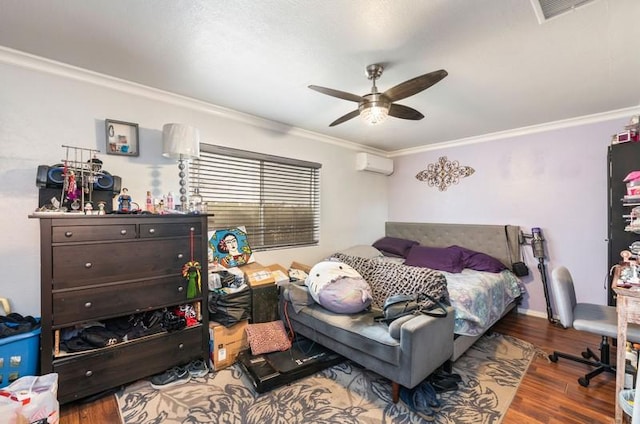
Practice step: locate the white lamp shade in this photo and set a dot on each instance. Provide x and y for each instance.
(180, 141)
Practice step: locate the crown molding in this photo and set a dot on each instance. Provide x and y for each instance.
(48, 66)
(518, 132)
(40, 64)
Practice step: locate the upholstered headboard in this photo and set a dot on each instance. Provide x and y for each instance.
(489, 239)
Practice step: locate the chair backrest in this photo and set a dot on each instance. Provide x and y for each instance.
(564, 295)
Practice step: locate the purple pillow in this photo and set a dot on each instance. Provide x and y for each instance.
(440, 258)
(394, 245)
(479, 261)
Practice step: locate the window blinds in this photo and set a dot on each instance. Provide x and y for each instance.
(276, 199)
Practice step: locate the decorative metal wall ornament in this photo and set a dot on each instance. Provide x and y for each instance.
(444, 173)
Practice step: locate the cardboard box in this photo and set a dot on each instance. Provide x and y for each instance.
(298, 271)
(301, 267)
(279, 273)
(226, 343)
(264, 292)
(256, 274)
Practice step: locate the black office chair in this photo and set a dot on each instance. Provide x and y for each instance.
(588, 317)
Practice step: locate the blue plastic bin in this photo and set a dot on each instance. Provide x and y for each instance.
(19, 356)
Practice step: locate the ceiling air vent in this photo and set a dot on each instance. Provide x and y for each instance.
(547, 9)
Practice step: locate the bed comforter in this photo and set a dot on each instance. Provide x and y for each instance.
(478, 298)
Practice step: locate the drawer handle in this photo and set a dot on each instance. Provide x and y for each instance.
(68, 233)
(88, 373)
(152, 230)
(88, 305)
(181, 346)
(180, 255)
(180, 289)
(88, 265)
(123, 232)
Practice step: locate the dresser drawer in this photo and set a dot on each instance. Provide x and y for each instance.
(95, 303)
(91, 264)
(90, 373)
(92, 233)
(156, 230)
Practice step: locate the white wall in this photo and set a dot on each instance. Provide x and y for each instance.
(556, 180)
(44, 105)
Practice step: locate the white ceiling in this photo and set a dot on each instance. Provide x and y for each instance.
(506, 71)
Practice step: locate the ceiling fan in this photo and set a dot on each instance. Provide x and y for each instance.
(375, 107)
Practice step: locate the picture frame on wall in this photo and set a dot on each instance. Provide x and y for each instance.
(122, 138)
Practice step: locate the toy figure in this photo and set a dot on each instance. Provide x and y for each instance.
(73, 193)
(124, 201)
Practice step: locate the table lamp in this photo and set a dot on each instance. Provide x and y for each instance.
(182, 142)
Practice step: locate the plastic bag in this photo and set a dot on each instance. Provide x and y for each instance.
(230, 308)
(31, 399)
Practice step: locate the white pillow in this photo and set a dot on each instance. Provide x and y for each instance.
(362, 251)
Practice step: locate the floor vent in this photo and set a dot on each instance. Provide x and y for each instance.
(548, 9)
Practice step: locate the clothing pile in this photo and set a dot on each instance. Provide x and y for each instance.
(13, 324)
(93, 335)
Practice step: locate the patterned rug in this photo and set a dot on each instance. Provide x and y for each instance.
(491, 371)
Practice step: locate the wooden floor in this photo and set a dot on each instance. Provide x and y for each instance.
(550, 392)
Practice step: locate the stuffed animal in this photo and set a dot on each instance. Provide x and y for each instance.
(338, 287)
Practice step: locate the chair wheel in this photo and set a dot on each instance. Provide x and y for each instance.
(553, 357)
(583, 382)
(586, 355)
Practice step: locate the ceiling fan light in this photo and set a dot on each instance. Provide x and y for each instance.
(374, 114)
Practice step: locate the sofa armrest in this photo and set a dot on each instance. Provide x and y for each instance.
(426, 343)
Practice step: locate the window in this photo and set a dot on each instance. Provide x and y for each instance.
(276, 199)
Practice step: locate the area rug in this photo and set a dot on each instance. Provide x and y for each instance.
(491, 371)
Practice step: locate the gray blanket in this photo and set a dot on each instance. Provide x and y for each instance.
(387, 279)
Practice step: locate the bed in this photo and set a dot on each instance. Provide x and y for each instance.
(405, 351)
(480, 299)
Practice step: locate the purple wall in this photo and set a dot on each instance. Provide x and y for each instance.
(556, 180)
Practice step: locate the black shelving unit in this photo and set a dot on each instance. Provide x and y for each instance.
(622, 159)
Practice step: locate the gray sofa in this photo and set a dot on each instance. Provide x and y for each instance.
(423, 343)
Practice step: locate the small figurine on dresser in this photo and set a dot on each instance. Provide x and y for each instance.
(124, 201)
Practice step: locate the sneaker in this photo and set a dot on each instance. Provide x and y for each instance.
(197, 368)
(172, 377)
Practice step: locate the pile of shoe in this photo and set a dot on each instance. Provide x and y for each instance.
(422, 400)
(443, 381)
(180, 374)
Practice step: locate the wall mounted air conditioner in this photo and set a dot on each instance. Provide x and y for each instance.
(373, 163)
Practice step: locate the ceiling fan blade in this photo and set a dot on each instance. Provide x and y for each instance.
(337, 93)
(415, 85)
(404, 112)
(345, 118)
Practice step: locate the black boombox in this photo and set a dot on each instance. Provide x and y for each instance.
(50, 180)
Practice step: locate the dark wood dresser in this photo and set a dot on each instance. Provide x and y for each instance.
(95, 268)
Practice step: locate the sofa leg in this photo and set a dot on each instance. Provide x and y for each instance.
(395, 392)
